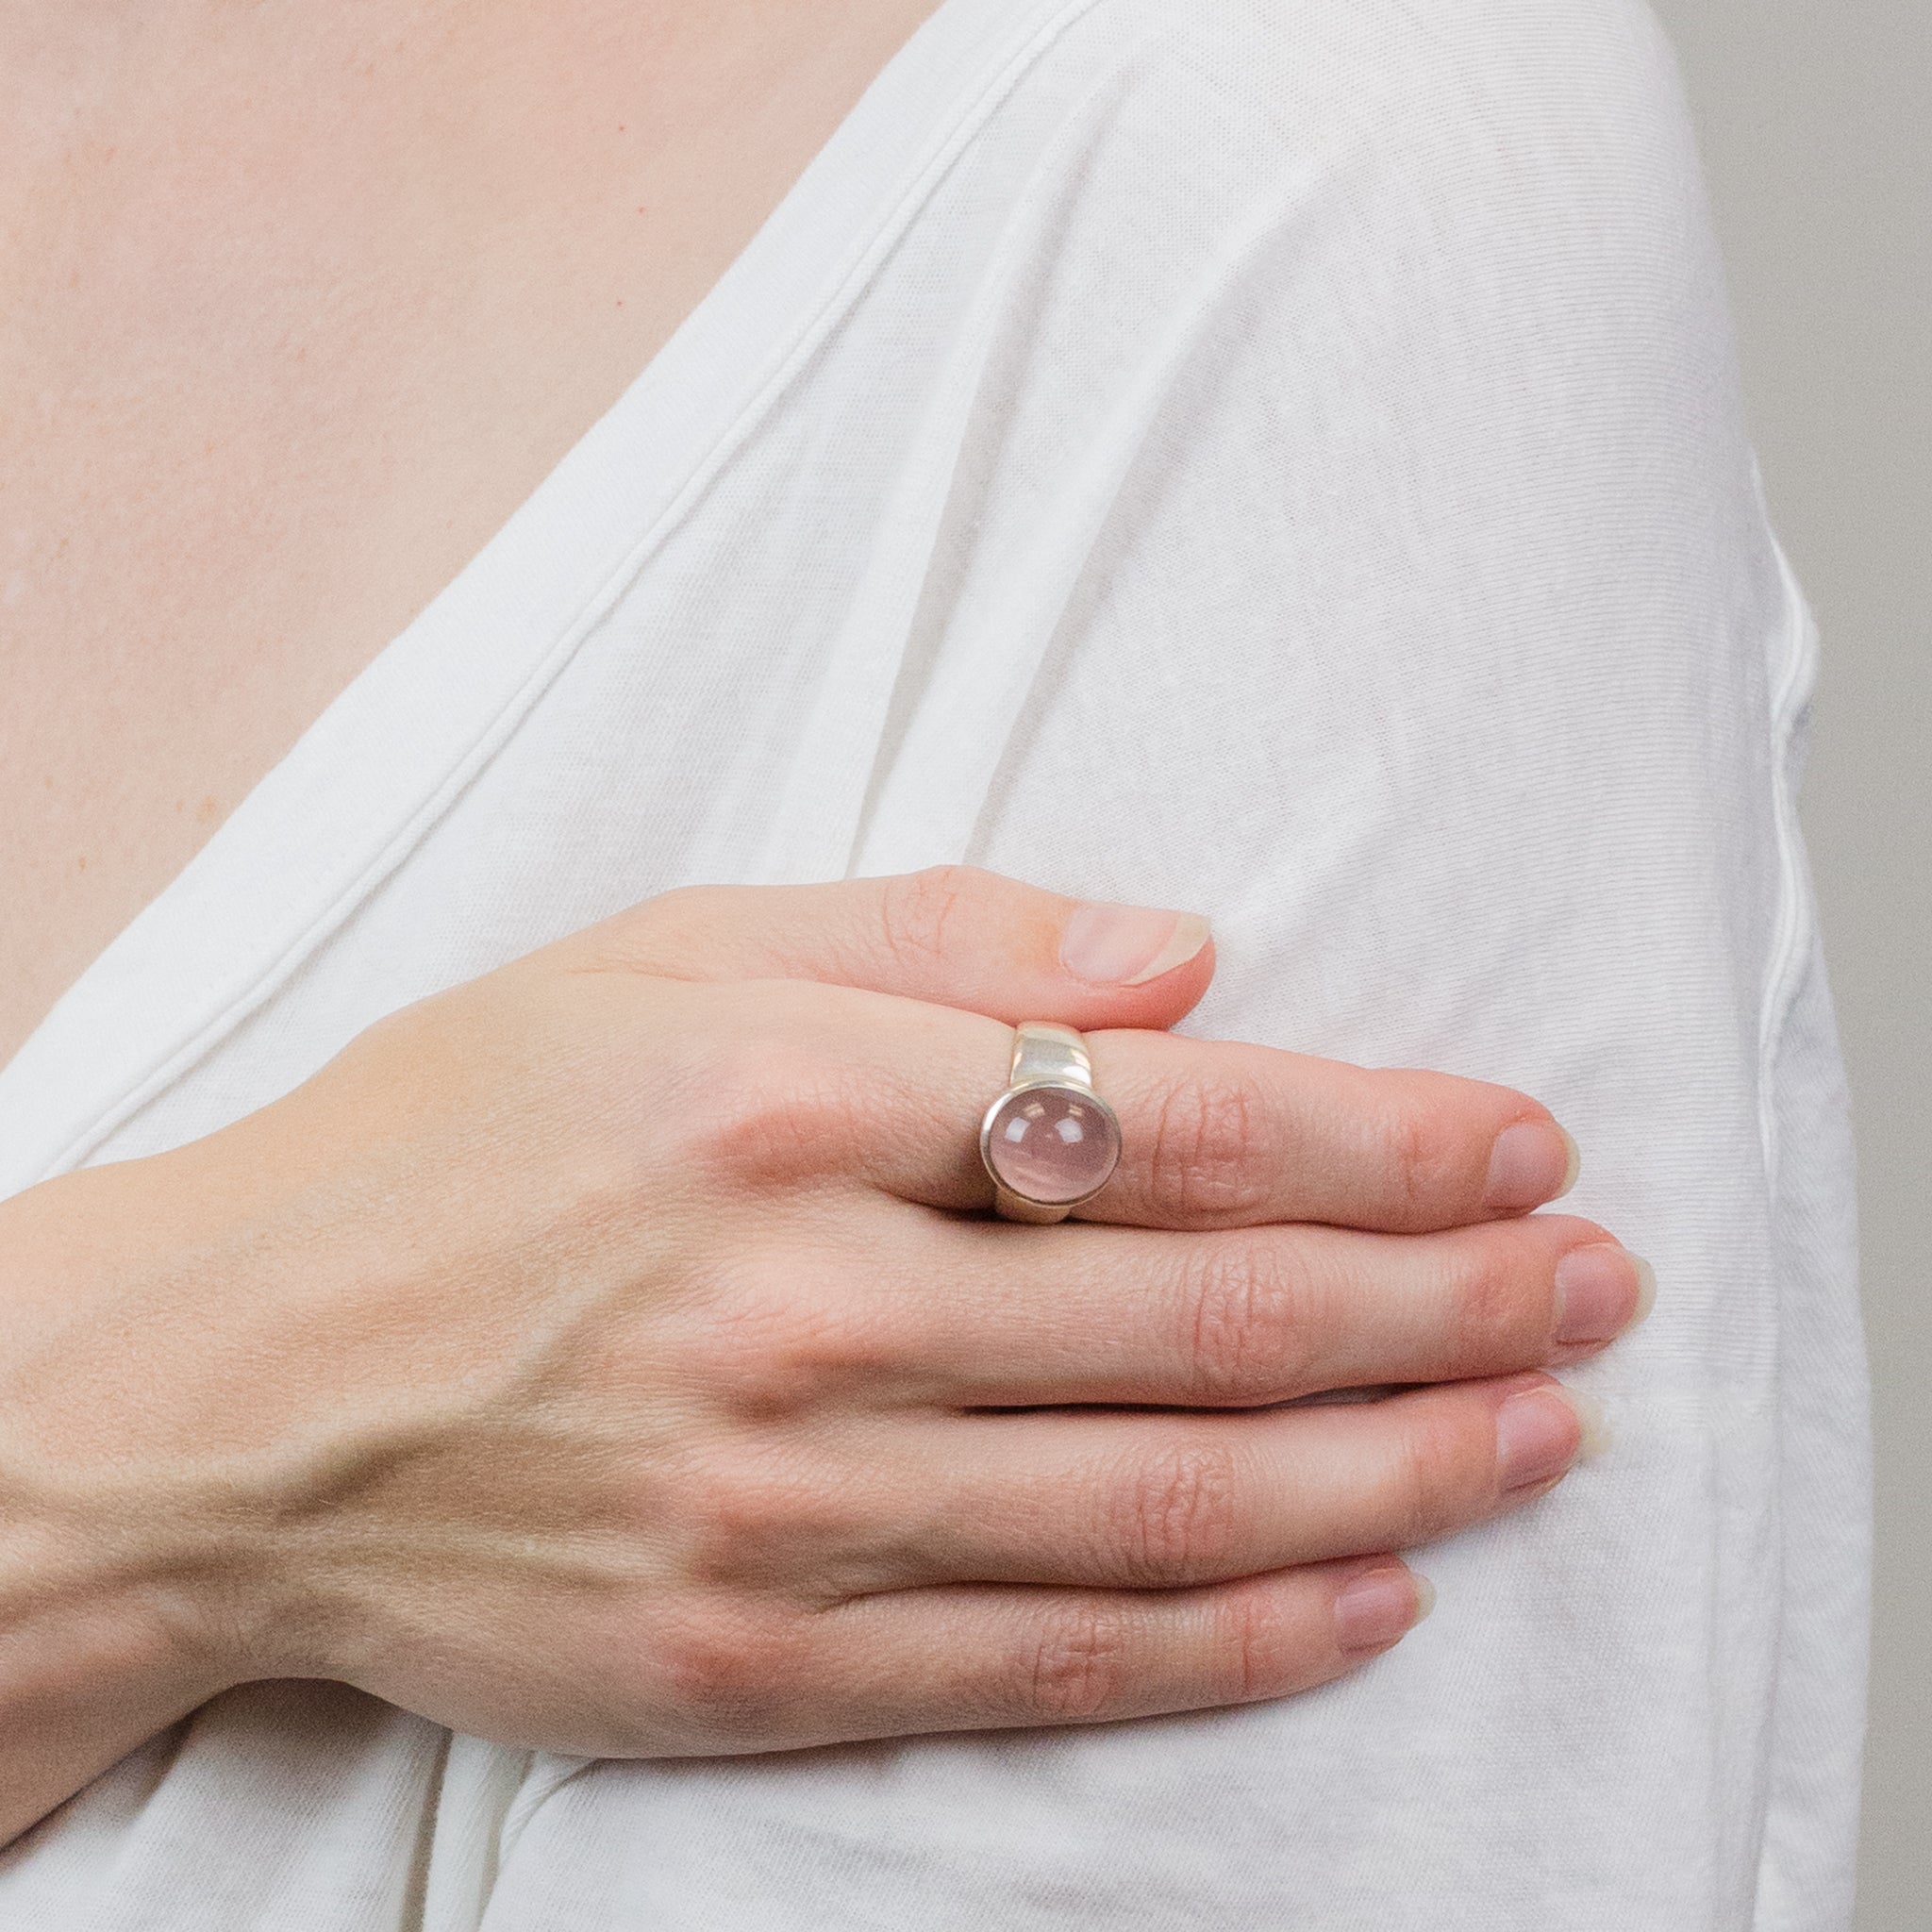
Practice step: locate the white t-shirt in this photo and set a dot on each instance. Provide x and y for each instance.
(1281, 458)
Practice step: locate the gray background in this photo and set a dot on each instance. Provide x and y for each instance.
(1816, 119)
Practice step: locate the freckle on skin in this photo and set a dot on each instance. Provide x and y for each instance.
(210, 811)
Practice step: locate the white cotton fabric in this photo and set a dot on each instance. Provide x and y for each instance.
(1281, 458)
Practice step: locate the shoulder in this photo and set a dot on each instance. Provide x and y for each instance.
(1524, 169)
(1343, 61)
(1485, 99)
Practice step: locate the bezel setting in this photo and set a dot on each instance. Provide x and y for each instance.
(1077, 1097)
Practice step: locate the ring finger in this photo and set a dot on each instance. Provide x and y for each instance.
(1163, 1501)
(1215, 1133)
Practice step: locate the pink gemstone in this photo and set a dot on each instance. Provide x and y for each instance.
(1052, 1144)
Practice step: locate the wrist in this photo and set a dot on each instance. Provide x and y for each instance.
(81, 1685)
(117, 1582)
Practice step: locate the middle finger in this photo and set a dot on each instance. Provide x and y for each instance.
(1013, 1317)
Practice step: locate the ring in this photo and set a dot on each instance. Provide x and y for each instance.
(1049, 1141)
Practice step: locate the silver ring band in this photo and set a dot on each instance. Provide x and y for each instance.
(1049, 1141)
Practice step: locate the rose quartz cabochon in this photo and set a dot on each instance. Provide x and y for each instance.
(1050, 1144)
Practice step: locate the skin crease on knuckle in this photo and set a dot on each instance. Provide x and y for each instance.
(1174, 1517)
(1092, 1660)
(1499, 1298)
(1427, 1145)
(1077, 1664)
(1498, 1291)
(1205, 1165)
(1443, 1472)
(1249, 1309)
(1259, 1315)
(1268, 1649)
(924, 915)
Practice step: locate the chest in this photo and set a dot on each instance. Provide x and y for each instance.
(290, 329)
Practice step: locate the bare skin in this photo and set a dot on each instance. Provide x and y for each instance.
(598, 1357)
(301, 302)
(771, 1443)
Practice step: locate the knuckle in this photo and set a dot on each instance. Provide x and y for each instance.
(1491, 1307)
(764, 1111)
(1431, 1485)
(671, 933)
(923, 914)
(1247, 1321)
(778, 1340)
(1424, 1156)
(1176, 1519)
(1258, 1642)
(744, 1521)
(682, 913)
(1203, 1160)
(1076, 1668)
(731, 1673)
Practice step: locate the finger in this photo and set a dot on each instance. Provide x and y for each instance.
(1160, 1501)
(956, 936)
(1227, 1134)
(1241, 1317)
(1214, 1133)
(992, 1657)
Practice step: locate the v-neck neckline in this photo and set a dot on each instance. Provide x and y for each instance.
(384, 762)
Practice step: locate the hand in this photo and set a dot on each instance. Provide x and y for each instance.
(599, 1356)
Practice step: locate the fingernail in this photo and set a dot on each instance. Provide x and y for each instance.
(1541, 1432)
(1532, 1162)
(1128, 945)
(1601, 1290)
(1646, 1290)
(1376, 1607)
(1597, 1433)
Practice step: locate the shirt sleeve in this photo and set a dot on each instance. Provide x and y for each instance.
(1357, 538)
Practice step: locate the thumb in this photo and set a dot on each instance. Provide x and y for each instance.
(954, 935)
